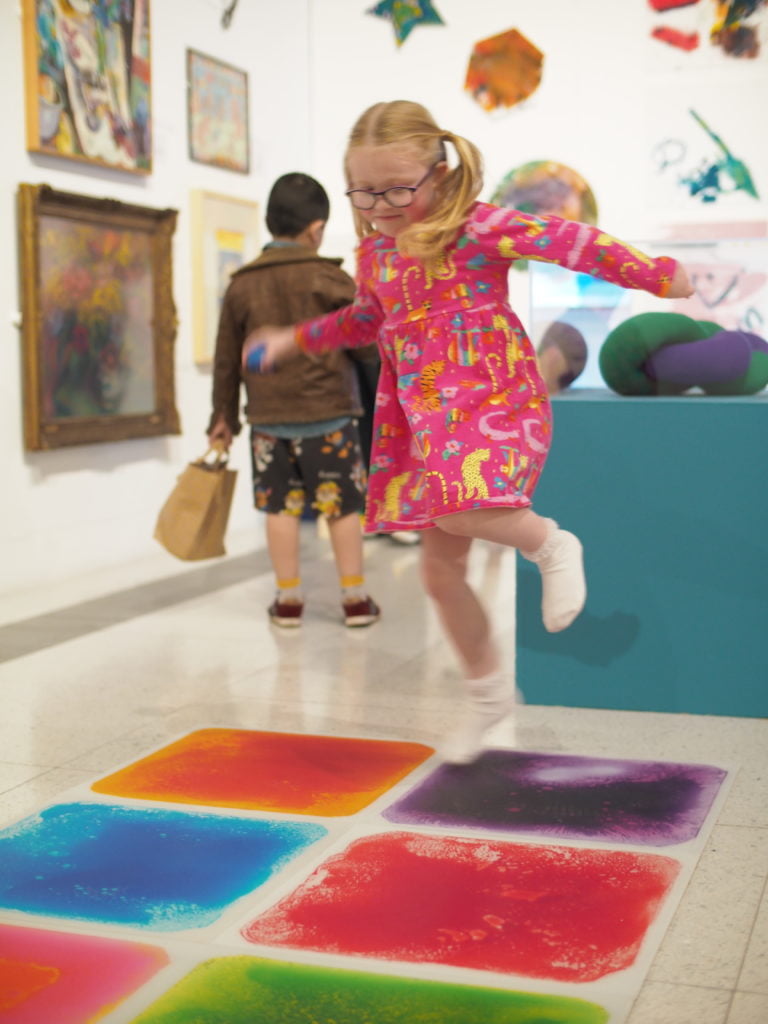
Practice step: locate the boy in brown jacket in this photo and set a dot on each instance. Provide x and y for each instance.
(305, 444)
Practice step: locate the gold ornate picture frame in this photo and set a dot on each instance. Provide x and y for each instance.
(98, 319)
(225, 236)
(88, 82)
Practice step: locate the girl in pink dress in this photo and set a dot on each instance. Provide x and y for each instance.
(463, 423)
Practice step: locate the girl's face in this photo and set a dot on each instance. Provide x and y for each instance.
(377, 168)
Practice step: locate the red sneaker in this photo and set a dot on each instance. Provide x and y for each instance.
(285, 613)
(360, 612)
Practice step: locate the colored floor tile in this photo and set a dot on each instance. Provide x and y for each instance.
(638, 802)
(244, 990)
(291, 773)
(48, 976)
(551, 912)
(155, 869)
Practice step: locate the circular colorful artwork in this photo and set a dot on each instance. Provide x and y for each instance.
(547, 187)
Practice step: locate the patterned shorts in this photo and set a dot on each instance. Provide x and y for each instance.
(326, 471)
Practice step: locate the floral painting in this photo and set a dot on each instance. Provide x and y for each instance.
(96, 305)
(99, 320)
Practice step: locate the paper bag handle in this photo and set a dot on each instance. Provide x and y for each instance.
(221, 456)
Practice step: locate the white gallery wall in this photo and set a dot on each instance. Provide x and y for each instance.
(609, 94)
(88, 506)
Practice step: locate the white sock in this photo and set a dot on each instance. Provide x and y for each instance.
(490, 699)
(563, 588)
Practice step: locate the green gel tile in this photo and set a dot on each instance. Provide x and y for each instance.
(246, 990)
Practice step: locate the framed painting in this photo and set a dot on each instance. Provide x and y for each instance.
(225, 235)
(88, 81)
(98, 319)
(218, 113)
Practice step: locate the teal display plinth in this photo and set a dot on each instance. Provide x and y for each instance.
(670, 498)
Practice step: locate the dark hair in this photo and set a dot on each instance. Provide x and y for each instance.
(296, 200)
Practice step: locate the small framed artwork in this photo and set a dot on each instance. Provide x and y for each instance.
(218, 113)
(88, 82)
(225, 235)
(98, 319)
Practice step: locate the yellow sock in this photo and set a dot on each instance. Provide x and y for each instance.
(352, 586)
(290, 589)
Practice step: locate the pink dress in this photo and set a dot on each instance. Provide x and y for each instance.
(462, 416)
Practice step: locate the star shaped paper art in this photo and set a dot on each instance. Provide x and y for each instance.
(405, 15)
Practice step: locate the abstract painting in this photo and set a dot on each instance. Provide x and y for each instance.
(728, 273)
(546, 187)
(503, 70)
(225, 236)
(217, 110)
(98, 319)
(269, 771)
(88, 81)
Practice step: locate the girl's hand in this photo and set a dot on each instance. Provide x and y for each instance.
(680, 286)
(274, 344)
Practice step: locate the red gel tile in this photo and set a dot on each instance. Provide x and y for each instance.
(554, 912)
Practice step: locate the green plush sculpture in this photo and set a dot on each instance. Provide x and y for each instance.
(668, 353)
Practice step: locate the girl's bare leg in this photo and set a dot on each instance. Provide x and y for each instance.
(490, 694)
(557, 553)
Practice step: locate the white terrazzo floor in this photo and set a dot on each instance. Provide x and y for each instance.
(102, 670)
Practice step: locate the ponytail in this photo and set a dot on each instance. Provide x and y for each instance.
(427, 239)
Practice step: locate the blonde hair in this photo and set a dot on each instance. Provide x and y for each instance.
(404, 122)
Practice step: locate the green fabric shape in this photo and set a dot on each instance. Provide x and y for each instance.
(710, 327)
(626, 348)
(251, 990)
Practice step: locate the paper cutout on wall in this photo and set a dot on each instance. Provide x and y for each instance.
(734, 32)
(674, 37)
(545, 187)
(731, 32)
(503, 70)
(405, 15)
(706, 181)
(668, 5)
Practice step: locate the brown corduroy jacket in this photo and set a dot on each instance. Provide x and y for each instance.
(283, 286)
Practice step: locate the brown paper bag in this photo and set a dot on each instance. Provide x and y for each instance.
(193, 521)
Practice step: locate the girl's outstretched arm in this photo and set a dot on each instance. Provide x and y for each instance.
(513, 234)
